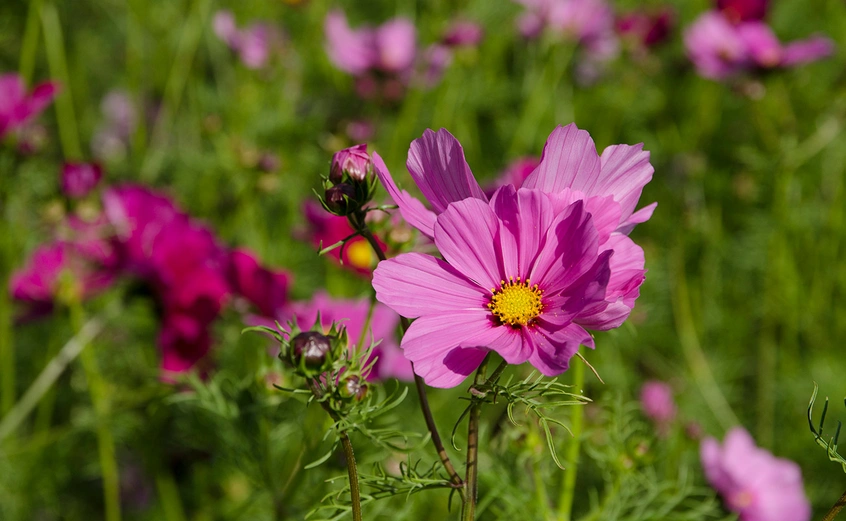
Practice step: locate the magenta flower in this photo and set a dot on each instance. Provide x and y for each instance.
(78, 179)
(656, 400)
(569, 165)
(720, 49)
(743, 10)
(352, 314)
(753, 482)
(646, 29)
(267, 290)
(17, 107)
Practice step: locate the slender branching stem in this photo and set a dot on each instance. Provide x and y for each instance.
(836, 508)
(357, 222)
(569, 486)
(352, 470)
(468, 507)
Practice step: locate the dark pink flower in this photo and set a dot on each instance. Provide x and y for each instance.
(720, 49)
(646, 28)
(463, 33)
(17, 107)
(753, 482)
(656, 400)
(743, 10)
(352, 314)
(325, 229)
(78, 179)
(267, 290)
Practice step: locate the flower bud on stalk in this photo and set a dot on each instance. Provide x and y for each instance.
(354, 162)
(351, 183)
(310, 352)
(352, 387)
(339, 197)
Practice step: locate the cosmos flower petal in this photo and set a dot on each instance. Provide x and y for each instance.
(570, 249)
(568, 156)
(414, 284)
(808, 50)
(504, 204)
(506, 341)
(436, 162)
(624, 172)
(432, 344)
(411, 209)
(640, 216)
(350, 50)
(466, 234)
(627, 273)
(553, 349)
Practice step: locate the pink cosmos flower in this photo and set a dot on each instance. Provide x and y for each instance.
(720, 49)
(267, 290)
(352, 314)
(389, 48)
(587, 22)
(753, 482)
(17, 107)
(569, 164)
(656, 400)
(78, 179)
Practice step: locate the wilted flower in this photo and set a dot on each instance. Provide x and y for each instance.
(352, 314)
(720, 48)
(78, 179)
(656, 400)
(16, 106)
(753, 482)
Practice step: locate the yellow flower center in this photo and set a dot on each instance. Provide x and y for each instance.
(359, 254)
(516, 303)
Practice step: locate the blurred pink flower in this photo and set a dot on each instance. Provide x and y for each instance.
(360, 130)
(743, 10)
(17, 107)
(587, 22)
(644, 28)
(111, 138)
(753, 482)
(78, 179)
(514, 174)
(720, 49)
(463, 33)
(389, 48)
(253, 43)
(437, 58)
(656, 400)
(267, 290)
(352, 314)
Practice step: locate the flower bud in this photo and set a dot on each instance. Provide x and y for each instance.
(310, 348)
(338, 197)
(354, 162)
(353, 387)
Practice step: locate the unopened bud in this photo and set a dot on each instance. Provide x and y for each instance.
(353, 161)
(337, 198)
(311, 348)
(353, 387)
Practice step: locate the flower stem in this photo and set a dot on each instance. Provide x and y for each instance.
(569, 486)
(352, 470)
(468, 507)
(29, 47)
(836, 508)
(105, 441)
(358, 224)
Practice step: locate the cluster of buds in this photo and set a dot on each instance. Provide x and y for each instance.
(336, 374)
(351, 183)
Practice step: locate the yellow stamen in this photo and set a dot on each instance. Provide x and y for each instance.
(359, 254)
(516, 303)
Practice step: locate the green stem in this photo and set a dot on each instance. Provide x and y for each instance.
(135, 70)
(174, 88)
(836, 508)
(569, 486)
(29, 46)
(65, 116)
(8, 168)
(169, 497)
(105, 442)
(358, 224)
(471, 484)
